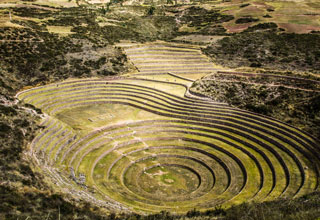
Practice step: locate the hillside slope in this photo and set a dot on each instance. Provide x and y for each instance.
(291, 98)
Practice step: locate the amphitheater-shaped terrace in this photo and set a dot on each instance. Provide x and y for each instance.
(145, 143)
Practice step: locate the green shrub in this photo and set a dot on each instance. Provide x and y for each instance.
(246, 20)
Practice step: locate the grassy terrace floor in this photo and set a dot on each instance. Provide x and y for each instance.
(159, 57)
(143, 143)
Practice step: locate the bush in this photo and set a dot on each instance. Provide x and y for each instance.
(244, 5)
(246, 20)
(268, 49)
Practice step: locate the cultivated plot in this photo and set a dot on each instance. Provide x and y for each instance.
(147, 145)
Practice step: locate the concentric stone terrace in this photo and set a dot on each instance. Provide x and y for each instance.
(145, 145)
(157, 58)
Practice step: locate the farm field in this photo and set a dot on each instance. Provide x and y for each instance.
(145, 143)
(158, 58)
(292, 16)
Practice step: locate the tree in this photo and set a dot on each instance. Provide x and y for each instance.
(151, 10)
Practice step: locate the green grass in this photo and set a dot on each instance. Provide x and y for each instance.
(61, 30)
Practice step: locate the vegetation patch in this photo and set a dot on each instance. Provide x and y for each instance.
(246, 20)
(205, 21)
(294, 101)
(268, 50)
